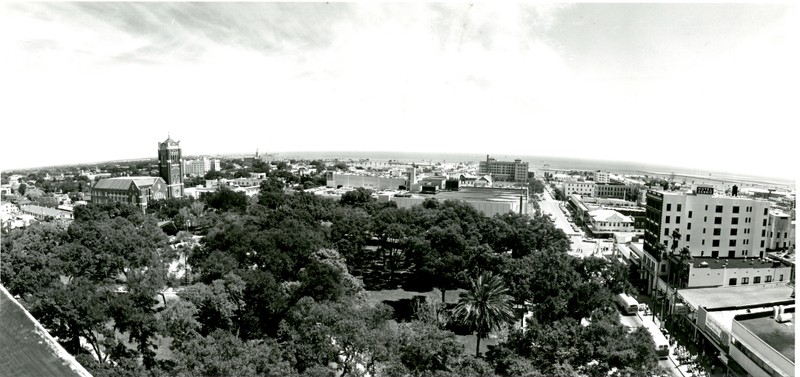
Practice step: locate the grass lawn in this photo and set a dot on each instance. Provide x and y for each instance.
(376, 297)
(451, 297)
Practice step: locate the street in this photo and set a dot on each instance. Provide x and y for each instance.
(578, 246)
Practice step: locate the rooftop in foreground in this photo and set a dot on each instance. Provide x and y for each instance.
(779, 336)
(27, 349)
(738, 296)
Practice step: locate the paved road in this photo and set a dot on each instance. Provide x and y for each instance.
(578, 246)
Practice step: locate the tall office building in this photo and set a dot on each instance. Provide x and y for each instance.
(514, 171)
(170, 167)
(710, 225)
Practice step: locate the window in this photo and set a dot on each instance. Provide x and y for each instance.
(717, 220)
(679, 208)
(689, 226)
(702, 253)
(780, 277)
(734, 231)
(732, 281)
(702, 242)
(715, 243)
(756, 279)
(704, 230)
(677, 219)
(765, 213)
(719, 209)
(714, 253)
(690, 214)
(735, 220)
(732, 243)
(763, 232)
(764, 223)
(745, 280)
(735, 209)
(785, 234)
(731, 254)
(717, 231)
(762, 243)
(688, 238)
(768, 279)
(666, 231)
(664, 268)
(666, 219)
(706, 207)
(669, 207)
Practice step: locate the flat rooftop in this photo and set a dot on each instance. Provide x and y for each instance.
(737, 296)
(479, 194)
(779, 336)
(714, 263)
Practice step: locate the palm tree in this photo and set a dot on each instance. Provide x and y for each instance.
(484, 307)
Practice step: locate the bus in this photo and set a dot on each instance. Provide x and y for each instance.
(627, 303)
(661, 343)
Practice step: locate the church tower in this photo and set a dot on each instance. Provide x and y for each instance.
(170, 167)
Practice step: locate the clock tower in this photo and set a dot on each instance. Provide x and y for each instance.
(170, 167)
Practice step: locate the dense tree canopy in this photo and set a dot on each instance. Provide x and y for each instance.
(276, 285)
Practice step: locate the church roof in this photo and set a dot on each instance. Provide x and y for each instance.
(169, 143)
(123, 183)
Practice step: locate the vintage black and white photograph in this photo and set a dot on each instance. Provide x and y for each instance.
(418, 189)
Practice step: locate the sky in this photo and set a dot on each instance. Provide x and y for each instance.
(696, 85)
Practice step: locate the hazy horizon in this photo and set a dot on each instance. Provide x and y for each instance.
(536, 162)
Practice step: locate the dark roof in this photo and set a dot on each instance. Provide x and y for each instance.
(27, 348)
(123, 183)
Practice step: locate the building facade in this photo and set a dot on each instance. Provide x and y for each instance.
(170, 167)
(709, 225)
(607, 221)
(43, 213)
(612, 190)
(601, 176)
(133, 190)
(583, 188)
(514, 171)
(200, 167)
(780, 231)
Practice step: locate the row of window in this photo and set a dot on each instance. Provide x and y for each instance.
(756, 280)
(731, 253)
(755, 359)
(718, 209)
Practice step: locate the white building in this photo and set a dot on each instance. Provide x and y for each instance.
(710, 225)
(583, 188)
(200, 167)
(8, 209)
(609, 221)
(780, 231)
(601, 176)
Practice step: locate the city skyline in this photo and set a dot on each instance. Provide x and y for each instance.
(702, 86)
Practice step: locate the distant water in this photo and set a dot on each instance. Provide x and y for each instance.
(538, 162)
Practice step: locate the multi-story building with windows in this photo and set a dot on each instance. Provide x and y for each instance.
(582, 188)
(780, 231)
(514, 171)
(612, 190)
(134, 190)
(601, 176)
(710, 225)
(199, 167)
